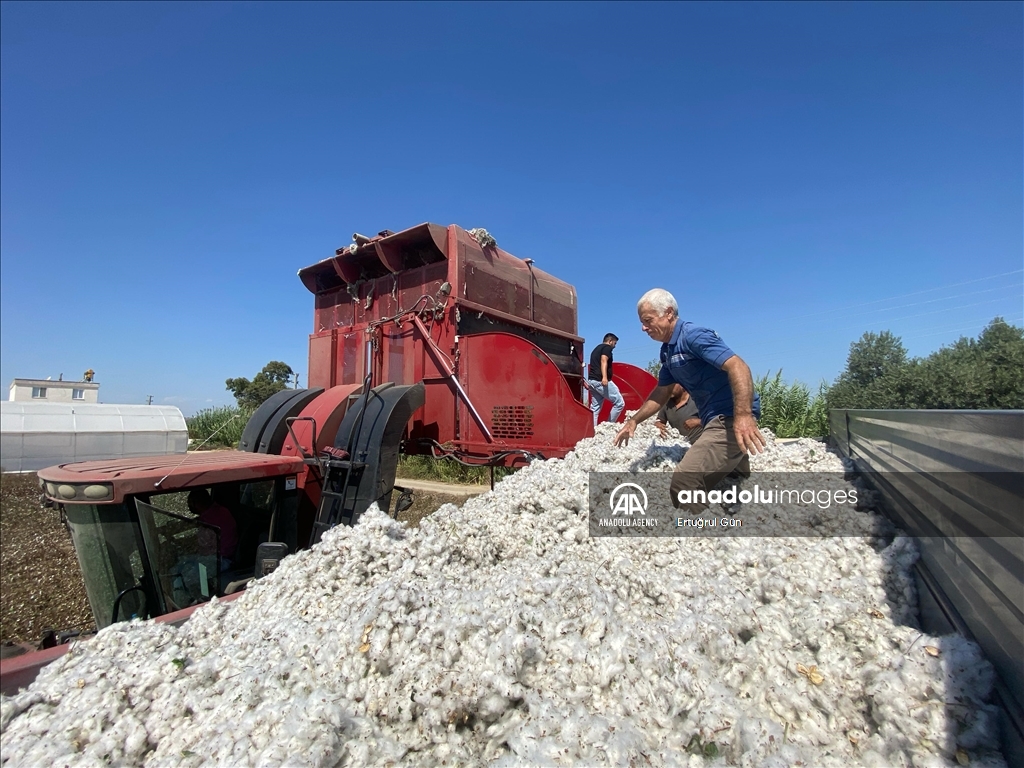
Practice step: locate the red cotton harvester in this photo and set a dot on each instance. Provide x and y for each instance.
(429, 341)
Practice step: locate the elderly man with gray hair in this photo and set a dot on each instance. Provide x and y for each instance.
(719, 383)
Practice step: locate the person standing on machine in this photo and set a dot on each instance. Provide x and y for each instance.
(599, 381)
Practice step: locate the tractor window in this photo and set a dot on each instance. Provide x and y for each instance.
(182, 552)
(258, 495)
(251, 506)
(109, 555)
(172, 502)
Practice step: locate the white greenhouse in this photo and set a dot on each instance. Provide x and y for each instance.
(38, 435)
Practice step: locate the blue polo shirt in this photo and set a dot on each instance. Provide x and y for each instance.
(694, 358)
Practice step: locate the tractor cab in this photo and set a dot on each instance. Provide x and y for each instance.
(145, 553)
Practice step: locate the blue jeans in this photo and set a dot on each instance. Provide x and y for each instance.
(599, 393)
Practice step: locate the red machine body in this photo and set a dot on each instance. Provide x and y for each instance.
(492, 337)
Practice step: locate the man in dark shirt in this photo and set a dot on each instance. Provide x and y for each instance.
(680, 413)
(721, 385)
(599, 381)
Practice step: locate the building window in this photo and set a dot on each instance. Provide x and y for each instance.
(38, 393)
(78, 394)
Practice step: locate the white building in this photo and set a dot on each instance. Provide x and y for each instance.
(47, 391)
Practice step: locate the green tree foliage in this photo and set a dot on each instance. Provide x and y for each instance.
(274, 377)
(789, 410)
(875, 375)
(975, 374)
(654, 368)
(982, 373)
(874, 356)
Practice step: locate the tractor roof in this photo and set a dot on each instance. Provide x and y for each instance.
(160, 474)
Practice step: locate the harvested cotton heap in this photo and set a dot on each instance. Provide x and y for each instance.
(502, 633)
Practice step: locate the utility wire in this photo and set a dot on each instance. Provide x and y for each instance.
(885, 321)
(942, 298)
(983, 324)
(912, 293)
(775, 354)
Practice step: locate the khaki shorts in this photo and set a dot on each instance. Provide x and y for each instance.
(715, 455)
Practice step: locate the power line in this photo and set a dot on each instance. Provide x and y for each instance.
(886, 321)
(984, 324)
(775, 354)
(905, 295)
(654, 346)
(939, 311)
(943, 298)
(882, 321)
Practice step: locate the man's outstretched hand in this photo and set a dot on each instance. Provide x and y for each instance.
(627, 431)
(747, 434)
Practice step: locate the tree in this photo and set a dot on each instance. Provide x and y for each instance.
(1002, 351)
(973, 374)
(274, 377)
(873, 356)
(654, 368)
(875, 376)
(982, 373)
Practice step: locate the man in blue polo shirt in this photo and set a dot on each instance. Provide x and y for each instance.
(719, 383)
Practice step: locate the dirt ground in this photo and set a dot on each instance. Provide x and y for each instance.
(40, 582)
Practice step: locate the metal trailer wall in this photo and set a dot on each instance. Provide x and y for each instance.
(955, 481)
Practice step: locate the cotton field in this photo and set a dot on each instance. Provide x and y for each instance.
(501, 633)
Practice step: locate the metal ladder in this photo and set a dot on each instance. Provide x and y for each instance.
(338, 498)
(370, 434)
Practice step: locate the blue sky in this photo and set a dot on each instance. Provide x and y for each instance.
(796, 174)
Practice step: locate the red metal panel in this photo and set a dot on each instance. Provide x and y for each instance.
(333, 308)
(408, 249)
(436, 420)
(511, 286)
(635, 384)
(327, 411)
(349, 361)
(521, 395)
(321, 361)
(399, 347)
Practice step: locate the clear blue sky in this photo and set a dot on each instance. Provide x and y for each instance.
(796, 174)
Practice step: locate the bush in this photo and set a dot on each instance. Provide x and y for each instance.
(218, 427)
(789, 410)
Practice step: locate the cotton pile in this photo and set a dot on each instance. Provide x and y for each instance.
(501, 633)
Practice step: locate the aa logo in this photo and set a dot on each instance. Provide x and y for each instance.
(625, 501)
